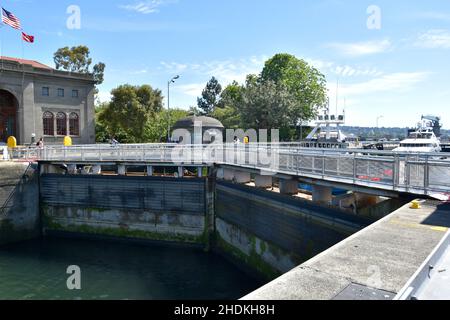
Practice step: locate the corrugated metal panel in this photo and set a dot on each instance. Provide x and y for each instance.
(145, 193)
(283, 221)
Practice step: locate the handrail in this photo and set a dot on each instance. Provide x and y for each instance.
(418, 173)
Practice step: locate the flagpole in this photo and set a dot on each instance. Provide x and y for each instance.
(1, 38)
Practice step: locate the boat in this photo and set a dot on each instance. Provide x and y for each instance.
(424, 138)
(327, 133)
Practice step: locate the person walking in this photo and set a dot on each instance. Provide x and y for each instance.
(40, 143)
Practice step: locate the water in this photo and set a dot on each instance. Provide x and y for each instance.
(37, 270)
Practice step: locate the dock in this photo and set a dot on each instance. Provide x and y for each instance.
(373, 264)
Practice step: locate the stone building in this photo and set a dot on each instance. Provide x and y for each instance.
(201, 130)
(39, 101)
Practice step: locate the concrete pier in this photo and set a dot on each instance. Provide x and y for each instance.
(72, 169)
(374, 264)
(228, 174)
(263, 181)
(321, 194)
(242, 177)
(288, 187)
(121, 170)
(97, 169)
(365, 200)
(149, 171)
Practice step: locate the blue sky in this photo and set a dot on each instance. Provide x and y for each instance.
(399, 71)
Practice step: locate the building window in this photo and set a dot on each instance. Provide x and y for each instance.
(48, 119)
(74, 124)
(61, 124)
(45, 91)
(74, 93)
(60, 92)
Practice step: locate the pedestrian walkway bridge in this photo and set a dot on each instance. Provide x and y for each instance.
(416, 174)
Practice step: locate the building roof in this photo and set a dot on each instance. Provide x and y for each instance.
(207, 122)
(32, 63)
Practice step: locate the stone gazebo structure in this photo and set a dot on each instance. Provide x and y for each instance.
(198, 130)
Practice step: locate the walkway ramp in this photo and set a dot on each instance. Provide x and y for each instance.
(374, 264)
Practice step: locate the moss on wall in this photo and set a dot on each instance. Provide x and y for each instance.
(51, 224)
(254, 260)
(10, 234)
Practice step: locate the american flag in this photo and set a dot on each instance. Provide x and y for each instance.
(10, 19)
(27, 38)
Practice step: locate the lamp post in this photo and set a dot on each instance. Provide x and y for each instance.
(378, 121)
(168, 104)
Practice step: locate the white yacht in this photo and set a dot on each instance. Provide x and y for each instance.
(327, 133)
(424, 138)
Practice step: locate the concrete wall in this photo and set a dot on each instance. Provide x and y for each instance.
(151, 208)
(274, 233)
(19, 202)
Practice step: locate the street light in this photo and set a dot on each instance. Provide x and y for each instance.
(168, 103)
(378, 121)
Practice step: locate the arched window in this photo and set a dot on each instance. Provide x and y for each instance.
(74, 124)
(48, 120)
(61, 124)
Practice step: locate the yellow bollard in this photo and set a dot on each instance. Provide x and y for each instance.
(415, 205)
(67, 141)
(12, 142)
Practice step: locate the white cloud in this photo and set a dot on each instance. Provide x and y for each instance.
(434, 15)
(344, 70)
(434, 39)
(146, 7)
(193, 89)
(362, 48)
(225, 71)
(104, 96)
(393, 82)
(137, 72)
(174, 67)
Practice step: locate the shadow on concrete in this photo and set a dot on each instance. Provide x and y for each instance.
(440, 217)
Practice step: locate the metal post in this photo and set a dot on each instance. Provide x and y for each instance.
(168, 111)
(426, 175)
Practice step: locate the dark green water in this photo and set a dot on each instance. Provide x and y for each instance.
(37, 270)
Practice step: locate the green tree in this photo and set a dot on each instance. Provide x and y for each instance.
(156, 128)
(305, 82)
(265, 105)
(77, 59)
(210, 98)
(130, 110)
(227, 111)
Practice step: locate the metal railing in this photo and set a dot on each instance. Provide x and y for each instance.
(411, 173)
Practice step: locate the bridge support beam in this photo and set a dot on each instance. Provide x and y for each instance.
(149, 171)
(263, 181)
(288, 187)
(321, 194)
(121, 170)
(242, 177)
(200, 172)
(180, 172)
